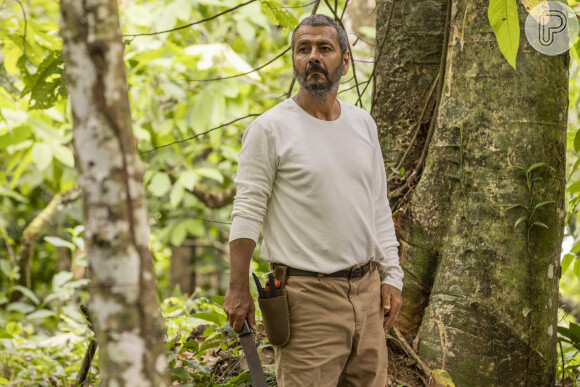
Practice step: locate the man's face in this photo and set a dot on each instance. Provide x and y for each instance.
(317, 62)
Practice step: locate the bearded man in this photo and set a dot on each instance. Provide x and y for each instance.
(311, 172)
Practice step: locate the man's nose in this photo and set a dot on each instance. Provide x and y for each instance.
(314, 56)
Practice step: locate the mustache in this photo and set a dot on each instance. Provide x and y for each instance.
(316, 67)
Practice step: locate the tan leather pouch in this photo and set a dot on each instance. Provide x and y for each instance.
(276, 316)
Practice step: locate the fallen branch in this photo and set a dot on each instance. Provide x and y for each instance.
(401, 340)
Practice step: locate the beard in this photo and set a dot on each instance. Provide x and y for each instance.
(321, 84)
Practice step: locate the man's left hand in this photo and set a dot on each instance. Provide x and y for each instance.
(391, 298)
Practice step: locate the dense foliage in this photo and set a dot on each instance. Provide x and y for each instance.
(188, 107)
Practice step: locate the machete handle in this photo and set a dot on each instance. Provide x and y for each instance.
(245, 329)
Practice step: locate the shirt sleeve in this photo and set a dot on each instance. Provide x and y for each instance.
(389, 267)
(254, 180)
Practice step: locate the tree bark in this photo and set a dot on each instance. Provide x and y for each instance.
(128, 325)
(480, 294)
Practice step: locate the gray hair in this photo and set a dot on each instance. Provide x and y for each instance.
(318, 20)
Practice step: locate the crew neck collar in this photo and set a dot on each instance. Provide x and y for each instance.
(317, 120)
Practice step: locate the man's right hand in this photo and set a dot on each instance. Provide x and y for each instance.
(239, 305)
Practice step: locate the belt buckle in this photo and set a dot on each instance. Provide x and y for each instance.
(356, 271)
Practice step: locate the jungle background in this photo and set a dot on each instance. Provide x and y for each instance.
(198, 74)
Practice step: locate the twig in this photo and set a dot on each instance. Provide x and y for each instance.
(352, 87)
(563, 364)
(289, 94)
(418, 123)
(339, 21)
(381, 47)
(197, 135)
(190, 24)
(298, 6)
(441, 76)
(24, 36)
(422, 366)
(362, 40)
(242, 74)
(86, 364)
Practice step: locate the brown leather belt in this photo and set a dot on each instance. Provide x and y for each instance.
(351, 272)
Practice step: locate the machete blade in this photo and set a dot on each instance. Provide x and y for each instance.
(251, 354)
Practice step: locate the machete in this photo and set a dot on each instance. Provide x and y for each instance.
(247, 341)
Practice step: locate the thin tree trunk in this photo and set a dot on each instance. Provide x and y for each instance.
(128, 325)
(480, 294)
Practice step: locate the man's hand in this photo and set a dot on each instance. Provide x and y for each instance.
(391, 298)
(239, 305)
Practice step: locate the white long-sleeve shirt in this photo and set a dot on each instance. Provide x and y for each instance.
(319, 190)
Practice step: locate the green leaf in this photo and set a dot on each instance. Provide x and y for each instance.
(574, 188)
(213, 317)
(28, 293)
(452, 146)
(188, 179)
(6, 268)
(40, 314)
(453, 176)
(526, 311)
(503, 18)
(64, 155)
(278, 14)
(577, 268)
(543, 203)
(179, 374)
(454, 160)
(178, 234)
(520, 220)
(210, 173)
(566, 261)
(160, 184)
(60, 279)
(176, 194)
(540, 224)
(46, 84)
(5, 335)
(57, 242)
(512, 206)
(574, 332)
(538, 165)
(218, 300)
(4, 381)
(41, 155)
(243, 377)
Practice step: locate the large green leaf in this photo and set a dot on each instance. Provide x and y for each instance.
(41, 155)
(160, 184)
(47, 83)
(503, 18)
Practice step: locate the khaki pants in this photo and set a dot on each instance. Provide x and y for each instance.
(337, 334)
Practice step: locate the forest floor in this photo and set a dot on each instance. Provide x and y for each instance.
(226, 364)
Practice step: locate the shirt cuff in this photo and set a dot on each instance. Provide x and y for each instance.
(244, 228)
(390, 269)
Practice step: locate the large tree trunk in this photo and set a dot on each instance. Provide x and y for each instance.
(480, 294)
(124, 304)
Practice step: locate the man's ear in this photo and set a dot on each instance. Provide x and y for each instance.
(345, 62)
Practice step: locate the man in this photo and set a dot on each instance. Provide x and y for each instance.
(311, 169)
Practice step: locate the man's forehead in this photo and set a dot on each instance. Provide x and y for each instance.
(313, 33)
